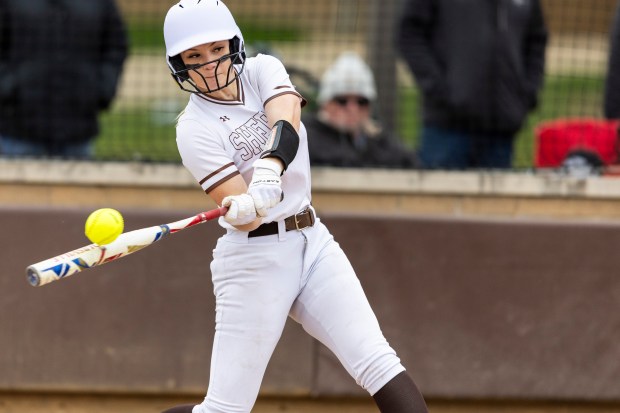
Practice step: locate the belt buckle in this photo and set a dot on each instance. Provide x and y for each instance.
(306, 211)
(297, 221)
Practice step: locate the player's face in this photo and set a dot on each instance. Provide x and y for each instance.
(210, 67)
(348, 112)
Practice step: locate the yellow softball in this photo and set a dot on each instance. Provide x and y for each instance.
(103, 226)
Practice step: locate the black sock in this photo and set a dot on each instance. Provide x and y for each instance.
(400, 395)
(186, 408)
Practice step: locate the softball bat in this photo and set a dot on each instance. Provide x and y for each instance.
(69, 263)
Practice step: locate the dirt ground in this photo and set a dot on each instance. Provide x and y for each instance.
(101, 404)
(29, 403)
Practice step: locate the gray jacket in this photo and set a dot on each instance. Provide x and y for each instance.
(478, 63)
(60, 61)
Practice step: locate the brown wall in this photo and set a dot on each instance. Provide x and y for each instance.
(477, 309)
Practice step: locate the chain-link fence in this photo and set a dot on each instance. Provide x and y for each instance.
(308, 35)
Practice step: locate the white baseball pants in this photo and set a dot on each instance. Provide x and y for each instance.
(259, 282)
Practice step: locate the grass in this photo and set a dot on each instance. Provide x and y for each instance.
(136, 134)
(144, 134)
(146, 32)
(562, 96)
(269, 31)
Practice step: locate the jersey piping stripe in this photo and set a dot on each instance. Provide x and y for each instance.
(221, 181)
(291, 92)
(211, 175)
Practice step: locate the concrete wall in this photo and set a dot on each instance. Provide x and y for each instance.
(480, 305)
(476, 309)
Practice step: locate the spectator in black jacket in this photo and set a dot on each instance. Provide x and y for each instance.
(60, 62)
(479, 65)
(343, 132)
(612, 84)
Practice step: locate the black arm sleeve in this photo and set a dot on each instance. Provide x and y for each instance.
(283, 143)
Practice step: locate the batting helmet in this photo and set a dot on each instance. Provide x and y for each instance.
(190, 23)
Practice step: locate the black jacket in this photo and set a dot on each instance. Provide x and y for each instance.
(479, 63)
(612, 83)
(330, 147)
(60, 61)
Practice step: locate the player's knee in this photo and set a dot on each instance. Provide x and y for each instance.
(378, 370)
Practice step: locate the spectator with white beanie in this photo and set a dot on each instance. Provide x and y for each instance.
(343, 132)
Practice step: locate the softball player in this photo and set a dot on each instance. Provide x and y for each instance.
(241, 138)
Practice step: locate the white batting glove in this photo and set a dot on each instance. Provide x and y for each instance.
(265, 188)
(241, 209)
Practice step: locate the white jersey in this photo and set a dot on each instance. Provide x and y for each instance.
(220, 139)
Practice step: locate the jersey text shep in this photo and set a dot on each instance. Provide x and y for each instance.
(251, 136)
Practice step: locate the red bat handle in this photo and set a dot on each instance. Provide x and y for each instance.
(216, 213)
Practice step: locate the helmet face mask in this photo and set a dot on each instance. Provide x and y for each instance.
(191, 23)
(182, 73)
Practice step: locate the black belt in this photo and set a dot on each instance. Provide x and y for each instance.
(301, 220)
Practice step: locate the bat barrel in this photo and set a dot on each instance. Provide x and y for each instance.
(33, 277)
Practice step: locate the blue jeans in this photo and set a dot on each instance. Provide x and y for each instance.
(10, 146)
(452, 149)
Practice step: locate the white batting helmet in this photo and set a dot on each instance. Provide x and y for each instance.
(190, 23)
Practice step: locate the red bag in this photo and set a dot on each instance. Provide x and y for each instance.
(556, 139)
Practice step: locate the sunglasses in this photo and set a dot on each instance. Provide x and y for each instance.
(343, 100)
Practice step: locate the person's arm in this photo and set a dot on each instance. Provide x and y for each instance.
(6, 74)
(612, 82)
(284, 107)
(241, 213)
(283, 115)
(113, 53)
(413, 39)
(535, 45)
(264, 191)
(206, 157)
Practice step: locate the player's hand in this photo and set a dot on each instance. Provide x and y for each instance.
(265, 188)
(241, 209)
